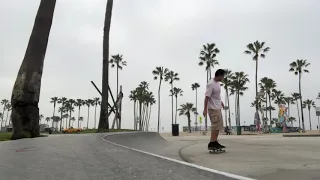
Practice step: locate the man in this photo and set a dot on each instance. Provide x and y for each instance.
(213, 105)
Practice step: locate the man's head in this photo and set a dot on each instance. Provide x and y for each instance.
(219, 75)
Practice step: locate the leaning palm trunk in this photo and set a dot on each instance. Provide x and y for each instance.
(88, 117)
(104, 118)
(310, 120)
(26, 90)
(302, 118)
(298, 114)
(158, 128)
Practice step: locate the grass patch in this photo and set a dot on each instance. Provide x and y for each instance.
(5, 136)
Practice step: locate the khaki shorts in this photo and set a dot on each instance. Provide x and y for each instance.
(216, 119)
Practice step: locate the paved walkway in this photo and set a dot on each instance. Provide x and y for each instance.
(260, 157)
(87, 157)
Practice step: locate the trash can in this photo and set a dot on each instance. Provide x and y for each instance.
(238, 130)
(175, 129)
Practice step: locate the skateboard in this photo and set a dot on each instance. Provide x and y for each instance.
(216, 151)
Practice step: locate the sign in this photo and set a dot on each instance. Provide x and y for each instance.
(200, 119)
(317, 111)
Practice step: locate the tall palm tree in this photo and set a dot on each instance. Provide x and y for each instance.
(4, 103)
(298, 67)
(308, 103)
(267, 85)
(295, 97)
(186, 109)
(257, 50)
(8, 108)
(238, 86)
(207, 58)
(117, 61)
(79, 103)
(62, 108)
(134, 97)
(171, 76)
(70, 106)
(176, 92)
(104, 118)
(226, 84)
(88, 103)
(30, 74)
(96, 101)
(54, 101)
(159, 73)
(195, 87)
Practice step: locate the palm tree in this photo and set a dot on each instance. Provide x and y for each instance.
(47, 119)
(226, 83)
(207, 58)
(257, 50)
(81, 119)
(195, 87)
(79, 103)
(54, 100)
(237, 87)
(309, 103)
(134, 97)
(96, 101)
(40, 118)
(176, 92)
(62, 109)
(171, 77)
(8, 108)
(70, 109)
(298, 67)
(159, 73)
(4, 102)
(295, 97)
(30, 74)
(278, 96)
(291, 120)
(104, 118)
(89, 102)
(186, 110)
(267, 85)
(66, 116)
(116, 61)
(72, 119)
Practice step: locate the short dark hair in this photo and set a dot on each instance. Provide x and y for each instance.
(220, 72)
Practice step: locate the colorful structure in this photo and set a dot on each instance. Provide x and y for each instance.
(283, 115)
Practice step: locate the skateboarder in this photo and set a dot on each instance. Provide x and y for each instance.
(212, 106)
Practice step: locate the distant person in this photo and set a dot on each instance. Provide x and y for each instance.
(213, 106)
(227, 131)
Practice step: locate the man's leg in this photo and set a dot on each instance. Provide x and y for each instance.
(215, 124)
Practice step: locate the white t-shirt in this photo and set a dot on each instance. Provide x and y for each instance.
(213, 91)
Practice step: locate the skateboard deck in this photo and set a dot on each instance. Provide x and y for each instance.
(217, 151)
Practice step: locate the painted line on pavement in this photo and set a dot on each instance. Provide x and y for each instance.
(237, 177)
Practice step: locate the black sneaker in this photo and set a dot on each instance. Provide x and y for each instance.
(221, 146)
(213, 146)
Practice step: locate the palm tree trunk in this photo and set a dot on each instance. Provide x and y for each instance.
(79, 117)
(134, 115)
(298, 113)
(25, 111)
(176, 109)
(266, 105)
(206, 118)
(257, 107)
(158, 128)
(270, 109)
(302, 118)
(229, 108)
(54, 110)
(88, 117)
(225, 110)
(140, 116)
(117, 79)
(238, 106)
(95, 116)
(70, 119)
(236, 109)
(172, 103)
(189, 122)
(196, 114)
(104, 118)
(310, 120)
(149, 117)
(61, 121)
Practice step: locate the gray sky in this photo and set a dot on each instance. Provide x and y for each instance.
(163, 33)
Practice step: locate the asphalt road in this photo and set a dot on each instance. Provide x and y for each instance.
(87, 157)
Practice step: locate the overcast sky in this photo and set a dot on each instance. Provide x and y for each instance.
(167, 33)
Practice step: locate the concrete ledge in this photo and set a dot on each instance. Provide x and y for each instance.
(301, 135)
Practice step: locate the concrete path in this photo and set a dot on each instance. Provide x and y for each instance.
(260, 157)
(88, 157)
